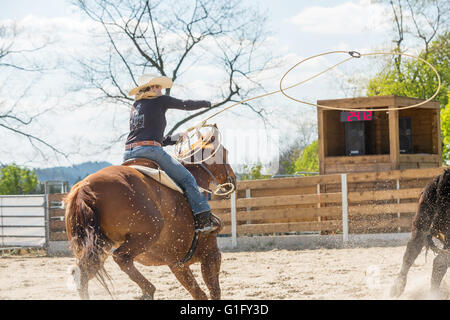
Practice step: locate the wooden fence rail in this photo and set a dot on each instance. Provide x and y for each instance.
(375, 202)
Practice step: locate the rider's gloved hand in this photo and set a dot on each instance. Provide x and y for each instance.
(173, 139)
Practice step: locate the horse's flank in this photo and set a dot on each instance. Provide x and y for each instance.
(127, 201)
(121, 212)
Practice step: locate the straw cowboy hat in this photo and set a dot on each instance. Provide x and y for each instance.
(147, 80)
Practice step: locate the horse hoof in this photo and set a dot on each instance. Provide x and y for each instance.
(398, 287)
(437, 294)
(146, 297)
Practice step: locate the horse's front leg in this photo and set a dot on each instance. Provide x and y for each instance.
(210, 272)
(187, 279)
(413, 248)
(440, 266)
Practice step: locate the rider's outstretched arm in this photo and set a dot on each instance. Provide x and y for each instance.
(174, 103)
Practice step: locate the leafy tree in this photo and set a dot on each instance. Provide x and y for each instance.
(16, 180)
(417, 23)
(445, 130)
(309, 158)
(305, 131)
(416, 79)
(287, 160)
(254, 173)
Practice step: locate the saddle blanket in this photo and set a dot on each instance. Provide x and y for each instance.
(158, 175)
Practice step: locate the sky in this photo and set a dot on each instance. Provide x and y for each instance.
(298, 29)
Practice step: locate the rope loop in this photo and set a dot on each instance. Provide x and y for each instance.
(186, 151)
(353, 55)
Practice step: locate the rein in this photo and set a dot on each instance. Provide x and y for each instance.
(218, 186)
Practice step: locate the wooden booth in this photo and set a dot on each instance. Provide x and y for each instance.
(364, 141)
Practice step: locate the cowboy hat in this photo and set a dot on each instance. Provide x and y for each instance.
(147, 80)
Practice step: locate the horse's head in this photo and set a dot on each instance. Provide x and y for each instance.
(221, 169)
(212, 157)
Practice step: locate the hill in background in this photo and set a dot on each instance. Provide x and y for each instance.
(71, 174)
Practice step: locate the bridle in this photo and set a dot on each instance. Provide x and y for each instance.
(219, 187)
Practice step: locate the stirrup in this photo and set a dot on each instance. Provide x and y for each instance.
(207, 229)
(205, 223)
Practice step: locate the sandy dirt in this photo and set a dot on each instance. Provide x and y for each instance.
(361, 273)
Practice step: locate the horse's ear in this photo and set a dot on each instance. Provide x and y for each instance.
(215, 125)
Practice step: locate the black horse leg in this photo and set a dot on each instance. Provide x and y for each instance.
(440, 266)
(413, 248)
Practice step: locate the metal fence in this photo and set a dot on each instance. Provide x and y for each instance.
(22, 221)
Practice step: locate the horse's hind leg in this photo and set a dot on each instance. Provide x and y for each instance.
(413, 248)
(124, 257)
(210, 272)
(187, 279)
(80, 278)
(85, 270)
(440, 266)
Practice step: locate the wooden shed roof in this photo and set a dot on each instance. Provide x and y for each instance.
(378, 101)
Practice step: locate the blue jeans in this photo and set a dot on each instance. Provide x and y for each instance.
(182, 177)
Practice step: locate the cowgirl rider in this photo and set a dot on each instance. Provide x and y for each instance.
(145, 140)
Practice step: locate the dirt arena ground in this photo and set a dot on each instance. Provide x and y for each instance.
(357, 273)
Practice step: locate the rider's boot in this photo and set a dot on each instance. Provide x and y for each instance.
(206, 222)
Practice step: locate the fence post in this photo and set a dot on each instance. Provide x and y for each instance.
(319, 218)
(233, 220)
(47, 217)
(398, 202)
(344, 192)
(1, 223)
(248, 195)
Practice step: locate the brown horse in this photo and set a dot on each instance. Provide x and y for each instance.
(431, 220)
(119, 211)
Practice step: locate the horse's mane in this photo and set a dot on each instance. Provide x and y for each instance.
(436, 196)
(443, 187)
(429, 192)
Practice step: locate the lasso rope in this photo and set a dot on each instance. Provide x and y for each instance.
(182, 156)
(353, 55)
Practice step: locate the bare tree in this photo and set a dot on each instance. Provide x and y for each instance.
(12, 118)
(397, 13)
(415, 25)
(170, 38)
(421, 20)
(429, 19)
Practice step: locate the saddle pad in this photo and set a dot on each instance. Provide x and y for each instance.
(158, 175)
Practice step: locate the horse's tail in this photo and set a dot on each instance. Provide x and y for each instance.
(83, 230)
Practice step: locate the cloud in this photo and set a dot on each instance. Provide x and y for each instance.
(73, 37)
(346, 18)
